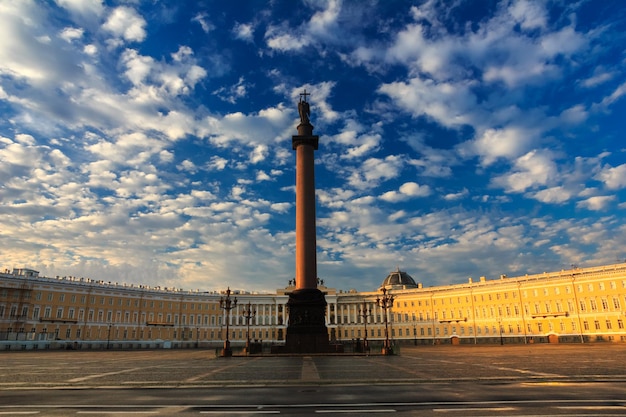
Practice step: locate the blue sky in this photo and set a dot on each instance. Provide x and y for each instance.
(150, 142)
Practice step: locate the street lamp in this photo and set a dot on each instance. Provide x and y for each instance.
(109, 336)
(386, 303)
(248, 313)
(227, 304)
(501, 336)
(365, 313)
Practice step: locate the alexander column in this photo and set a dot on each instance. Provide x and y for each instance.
(306, 332)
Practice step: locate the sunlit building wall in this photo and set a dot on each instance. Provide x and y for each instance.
(577, 305)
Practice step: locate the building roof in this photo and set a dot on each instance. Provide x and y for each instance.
(398, 280)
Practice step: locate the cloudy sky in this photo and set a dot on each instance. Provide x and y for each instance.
(150, 141)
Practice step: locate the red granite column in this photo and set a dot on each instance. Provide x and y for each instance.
(306, 331)
(306, 245)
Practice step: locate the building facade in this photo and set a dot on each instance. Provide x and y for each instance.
(580, 305)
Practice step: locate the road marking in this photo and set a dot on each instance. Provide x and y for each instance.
(361, 411)
(453, 410)
(240, 412)
(21, 413)
(590, 407)
(309, 370)
(116, 412)
(123, 371)
(217, 370)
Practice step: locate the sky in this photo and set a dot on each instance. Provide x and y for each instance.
(149, 142)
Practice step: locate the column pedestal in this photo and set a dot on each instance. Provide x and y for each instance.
(306, 332)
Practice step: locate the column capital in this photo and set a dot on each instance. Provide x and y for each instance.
(298, 140)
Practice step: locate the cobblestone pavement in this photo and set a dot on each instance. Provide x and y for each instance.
(420, 364)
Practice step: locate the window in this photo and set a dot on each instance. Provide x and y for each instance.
(608, 325)
(605, 304)
(596, 323)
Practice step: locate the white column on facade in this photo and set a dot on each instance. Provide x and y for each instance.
(327, 314)
(275, 318)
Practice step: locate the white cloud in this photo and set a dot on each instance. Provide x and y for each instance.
(509, 142)
(574, 115)
(375, 170)
(124, 22)
(596, 203)
(188, 166)
(448, 103)
(555, 195)
(600, 76)
(358, 139)
(613, 177)
(262, 176)
(233, 93)
(69, 34)
(284, 42)
(244, 31)
(87, 9)
(611, 98)
(217, 163)
(456, 196)
(406, 191)
(206, 25)
(530, 171)
(529, 15)
(269, 125)
(320, 28)
(258, 154)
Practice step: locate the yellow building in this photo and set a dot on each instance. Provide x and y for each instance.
(577, 305)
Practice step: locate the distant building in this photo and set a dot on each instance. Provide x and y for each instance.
(576, 305)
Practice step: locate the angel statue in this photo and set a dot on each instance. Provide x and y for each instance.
(304, 109)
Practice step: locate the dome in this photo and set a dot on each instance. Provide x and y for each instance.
(398, 280)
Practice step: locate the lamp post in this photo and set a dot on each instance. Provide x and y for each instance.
(227, 305)
(501, 336)
(365, 313)
(386, 302)
(248, 313)
(109, 336)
